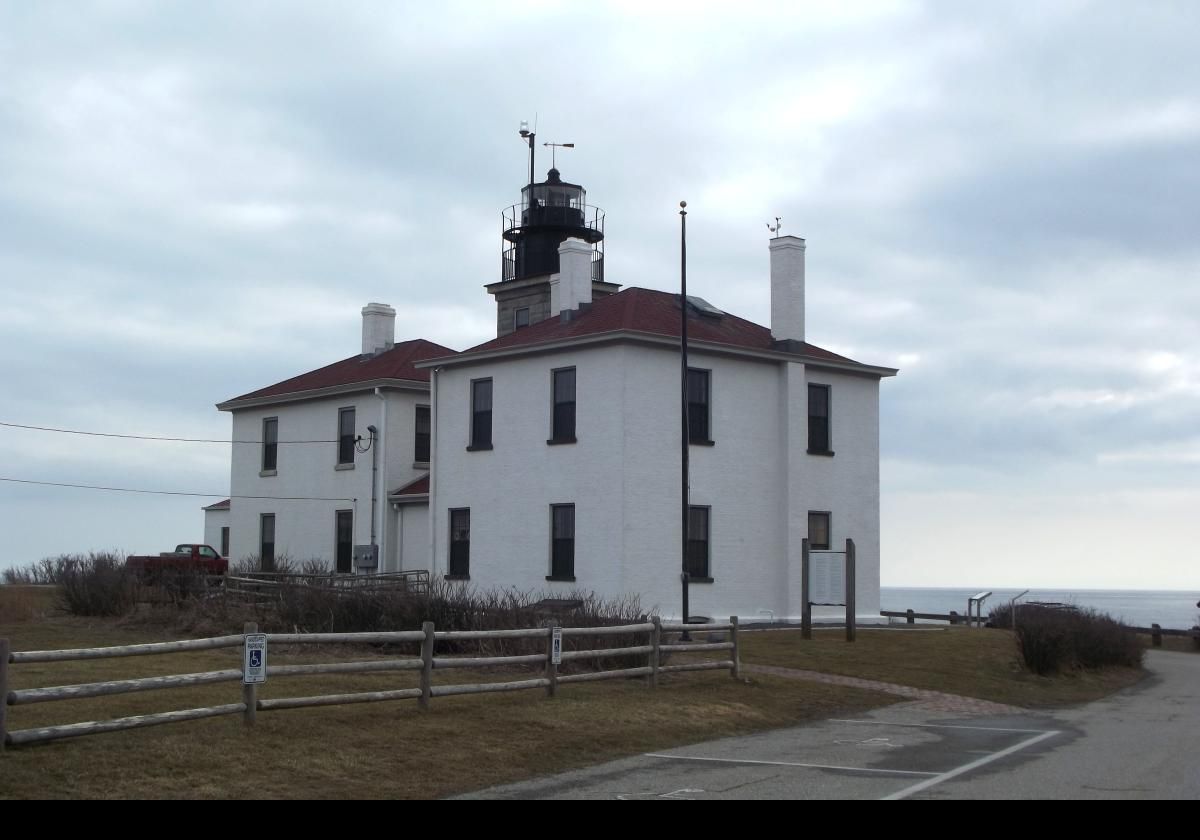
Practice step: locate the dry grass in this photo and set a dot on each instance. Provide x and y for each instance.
(388, 750)
(979, 663)
(20, 604)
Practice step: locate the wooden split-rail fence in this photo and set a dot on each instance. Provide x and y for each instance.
(658, 635)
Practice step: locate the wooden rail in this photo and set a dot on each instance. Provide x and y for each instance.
(649, 646)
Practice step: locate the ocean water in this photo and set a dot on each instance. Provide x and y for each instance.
(1139, 608)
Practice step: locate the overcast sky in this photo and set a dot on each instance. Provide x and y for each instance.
(1000, 199)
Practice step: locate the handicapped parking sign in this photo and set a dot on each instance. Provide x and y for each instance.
(254, 669)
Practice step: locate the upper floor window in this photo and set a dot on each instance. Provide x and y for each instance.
(562, 542)
(818, 420)
(346, 436)
(818, 530)
(698, 389)
(521, 318)
(270, 444)
(421, 441)
(460, 542)
(481, 414)
(563, 424)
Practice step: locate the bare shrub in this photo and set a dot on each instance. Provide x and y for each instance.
(1052, 641)
(97, 583)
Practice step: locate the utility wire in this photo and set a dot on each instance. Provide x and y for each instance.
(149, 437)
(178, 492)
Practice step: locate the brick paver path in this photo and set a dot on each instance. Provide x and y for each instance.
(934, 700)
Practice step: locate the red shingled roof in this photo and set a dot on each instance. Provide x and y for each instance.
(648, 311)
(396, 363)
(413, 488)
(218, 505)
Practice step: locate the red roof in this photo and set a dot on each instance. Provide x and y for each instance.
(413, 488)
(397, 363)
(648, 311)
(218, 505)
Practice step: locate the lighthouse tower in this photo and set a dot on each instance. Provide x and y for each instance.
(550, 213)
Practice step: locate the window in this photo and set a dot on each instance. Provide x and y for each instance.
(421, 444)
(207, 551)
(818, 530)
(266, 542)
(225, 541)
(698, 392)
(460, 543)
(562, 542)
(344, 541)
(481, 414)
(563, 387)
(521, 318)
(818, 420)
(270, 444)
(697, 544)
(345, 436)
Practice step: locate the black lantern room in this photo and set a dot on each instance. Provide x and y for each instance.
(549, 213)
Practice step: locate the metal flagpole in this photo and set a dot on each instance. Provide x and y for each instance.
(683, 375)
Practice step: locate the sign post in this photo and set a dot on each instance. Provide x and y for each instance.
(254, 670)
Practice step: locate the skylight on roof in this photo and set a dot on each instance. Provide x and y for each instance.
(704, 307)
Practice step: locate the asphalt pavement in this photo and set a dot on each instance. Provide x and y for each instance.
(1141, 743)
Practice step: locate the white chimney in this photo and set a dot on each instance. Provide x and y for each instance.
(572, 286)
(378, 328)
(787, 288)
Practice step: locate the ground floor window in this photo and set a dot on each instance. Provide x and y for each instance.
(344, 541)
(697, 543)
(818, 530)
(225, 541)
(460, 542)
(266, 542)
(562, 542)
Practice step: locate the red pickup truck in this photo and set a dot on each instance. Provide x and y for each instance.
(187, 557)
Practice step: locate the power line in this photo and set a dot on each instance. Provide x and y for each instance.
(179, 492)
(149, 437)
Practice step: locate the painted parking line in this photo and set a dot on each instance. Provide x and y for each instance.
(966, 768)
(879, 770)
(938, 726)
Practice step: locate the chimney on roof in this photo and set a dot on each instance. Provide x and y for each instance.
(787, 288)
(571, 288)
(378, 328)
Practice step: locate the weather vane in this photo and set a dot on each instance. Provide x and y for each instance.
(554, 147)
(778, 225)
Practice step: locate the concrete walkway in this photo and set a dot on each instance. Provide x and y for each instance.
(936, 701)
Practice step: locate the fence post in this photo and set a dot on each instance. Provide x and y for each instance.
(551, 668)
(4, 648)
(851, 591)
(737, 655)
(426, 665)
(655, 641)
(1156, 635)
(806, 609)
(249, 690)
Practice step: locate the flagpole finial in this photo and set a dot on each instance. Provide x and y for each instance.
(682, 208)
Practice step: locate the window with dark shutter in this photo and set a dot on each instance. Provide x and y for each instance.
(818, 420)
(344, 541)
(421, 443)
(346, 436)
(460, 542)
(698, 385)
(563, 388)
(481, 414)
(818, 530)
(270, 444)
(697, 551)
(562, 549)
